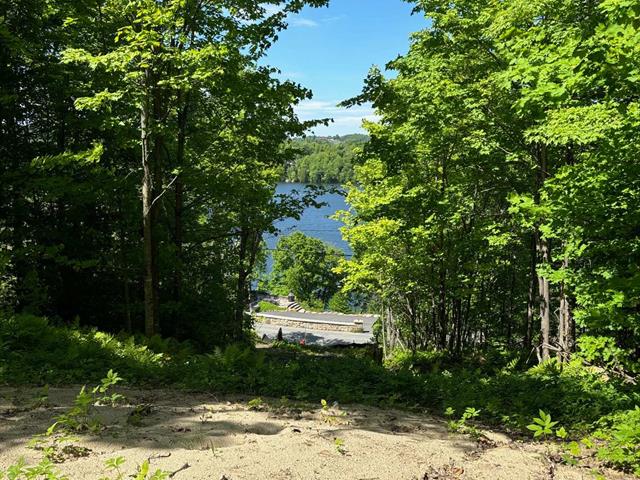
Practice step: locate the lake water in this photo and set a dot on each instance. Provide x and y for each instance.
(315, 222)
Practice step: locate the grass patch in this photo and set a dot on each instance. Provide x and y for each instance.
(264, 306)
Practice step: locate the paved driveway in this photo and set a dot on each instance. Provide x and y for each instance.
(367, 321)
(313, 337)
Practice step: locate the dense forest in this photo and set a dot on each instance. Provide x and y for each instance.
(498, 197)
(141, 144)
(324, 160)
(494, 219)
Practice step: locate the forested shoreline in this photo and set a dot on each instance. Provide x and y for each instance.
(324, 160)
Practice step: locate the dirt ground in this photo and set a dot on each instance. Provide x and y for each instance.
(197, 436)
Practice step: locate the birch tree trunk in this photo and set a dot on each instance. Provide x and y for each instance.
(544, 254)
(150, 303)
(565, 326)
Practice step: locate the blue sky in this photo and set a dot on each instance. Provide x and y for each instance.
(331, 49)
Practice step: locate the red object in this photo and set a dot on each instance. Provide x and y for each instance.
(302, 342)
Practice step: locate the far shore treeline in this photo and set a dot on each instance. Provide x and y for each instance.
(324, 160)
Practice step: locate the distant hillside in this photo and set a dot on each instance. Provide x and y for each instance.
(324, 159)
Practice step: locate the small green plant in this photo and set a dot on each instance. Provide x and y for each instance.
(113, 465)
(138, 413)
(332, 415)
(22, 471)
(619, 439)
(57, 446)
(461, 425)
(256, 404)
(572, 453)
(339, 443)
(106, 383)
(42, 398)
(543, 426)
(79, 417)
(143, 472)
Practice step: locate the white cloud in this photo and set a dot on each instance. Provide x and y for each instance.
(302, 22)
(345, 120)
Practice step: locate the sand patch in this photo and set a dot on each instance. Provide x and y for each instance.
(219, 438)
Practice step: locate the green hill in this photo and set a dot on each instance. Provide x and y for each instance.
(324, 159)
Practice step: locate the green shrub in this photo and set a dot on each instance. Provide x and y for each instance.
(620, 433)
(340, 303)
(604, 351)
(422, 361)
(313, 305)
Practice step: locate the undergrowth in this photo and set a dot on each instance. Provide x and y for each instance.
(582, 400)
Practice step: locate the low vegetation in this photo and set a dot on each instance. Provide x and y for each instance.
(264, 306)
(595, 410)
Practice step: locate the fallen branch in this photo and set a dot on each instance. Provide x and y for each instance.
(159, 455)
(183, 467)
(616, 372)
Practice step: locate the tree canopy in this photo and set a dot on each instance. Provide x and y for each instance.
(110, 102)
(305, 266)
(497, 197)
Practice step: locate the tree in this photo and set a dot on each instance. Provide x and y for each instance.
(105, 102)
(305, 266)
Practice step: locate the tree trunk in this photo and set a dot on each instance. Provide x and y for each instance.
(383, 321)
(566, 325)
(442, 307)
(240, 286)
(247, 252)
(150, 300)
(512, 289)
(533, 278)
(544, 255)
(128, 323)
(179, 207)
(544, 299)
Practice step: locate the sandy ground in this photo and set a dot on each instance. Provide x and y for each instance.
(206, 437)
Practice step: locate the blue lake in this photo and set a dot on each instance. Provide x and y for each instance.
(315, 222)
